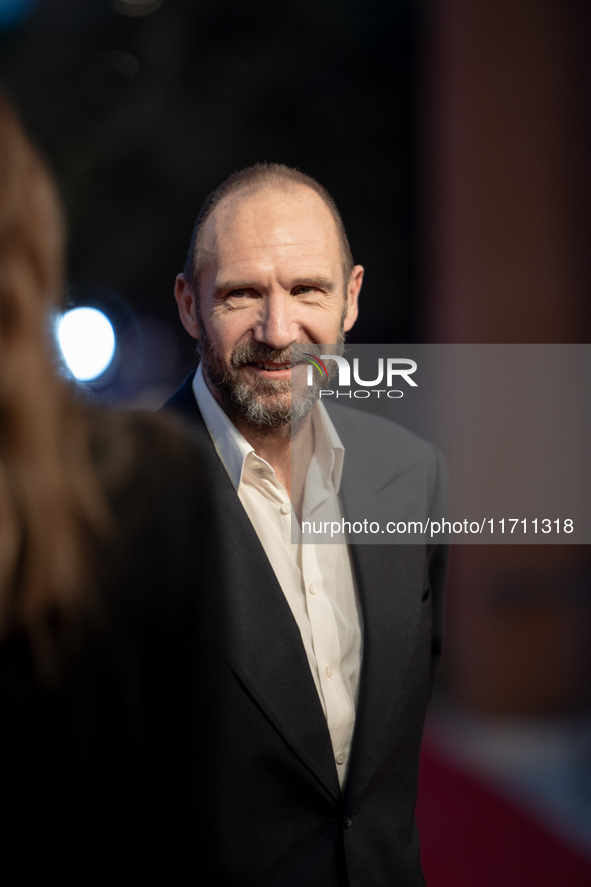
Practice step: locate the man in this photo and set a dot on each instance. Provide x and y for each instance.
(333, 647)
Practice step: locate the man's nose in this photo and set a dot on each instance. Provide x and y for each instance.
(277, 325)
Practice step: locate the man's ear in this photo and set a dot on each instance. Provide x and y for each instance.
(353, 289)
(185, 299)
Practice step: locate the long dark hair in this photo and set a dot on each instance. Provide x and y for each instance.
(50, 500)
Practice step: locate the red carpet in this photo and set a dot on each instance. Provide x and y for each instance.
(472, 837)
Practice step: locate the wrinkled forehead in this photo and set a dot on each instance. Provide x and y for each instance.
(270, 218)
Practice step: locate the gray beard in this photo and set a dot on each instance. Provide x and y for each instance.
(266, 404)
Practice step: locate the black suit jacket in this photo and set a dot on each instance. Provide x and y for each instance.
(309, 832)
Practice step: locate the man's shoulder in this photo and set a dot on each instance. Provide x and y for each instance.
(182, 407)
(390, 472)
(183, 400)
(375, 439)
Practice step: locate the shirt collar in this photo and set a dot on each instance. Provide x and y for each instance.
(233, 449)
(231, 446)
(328, 448)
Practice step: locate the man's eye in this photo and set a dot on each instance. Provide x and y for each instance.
(304, 289)
(238, 294)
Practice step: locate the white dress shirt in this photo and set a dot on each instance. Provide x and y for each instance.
(316, 579)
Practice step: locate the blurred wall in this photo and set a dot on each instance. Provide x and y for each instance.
(506, 213)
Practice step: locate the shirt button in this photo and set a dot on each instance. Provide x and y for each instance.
(329, 671)
(286, 508)
(256, 465)
(340, 757)
(312, 589)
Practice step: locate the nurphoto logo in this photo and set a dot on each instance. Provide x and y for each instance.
(390, 371)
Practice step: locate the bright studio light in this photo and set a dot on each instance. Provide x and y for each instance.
(87, 342)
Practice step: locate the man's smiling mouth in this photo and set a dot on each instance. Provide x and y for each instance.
(274, 367)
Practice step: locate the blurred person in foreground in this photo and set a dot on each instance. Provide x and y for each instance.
(333, 647)
(113, 743)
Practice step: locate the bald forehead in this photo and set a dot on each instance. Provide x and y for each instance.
(250, 216)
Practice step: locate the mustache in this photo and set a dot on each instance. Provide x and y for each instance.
(258, 352)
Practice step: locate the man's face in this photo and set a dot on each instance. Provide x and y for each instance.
(272, 278)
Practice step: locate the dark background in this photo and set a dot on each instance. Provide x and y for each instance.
(141, 116)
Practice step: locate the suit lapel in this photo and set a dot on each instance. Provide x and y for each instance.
(265, 651)
(390, 579)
